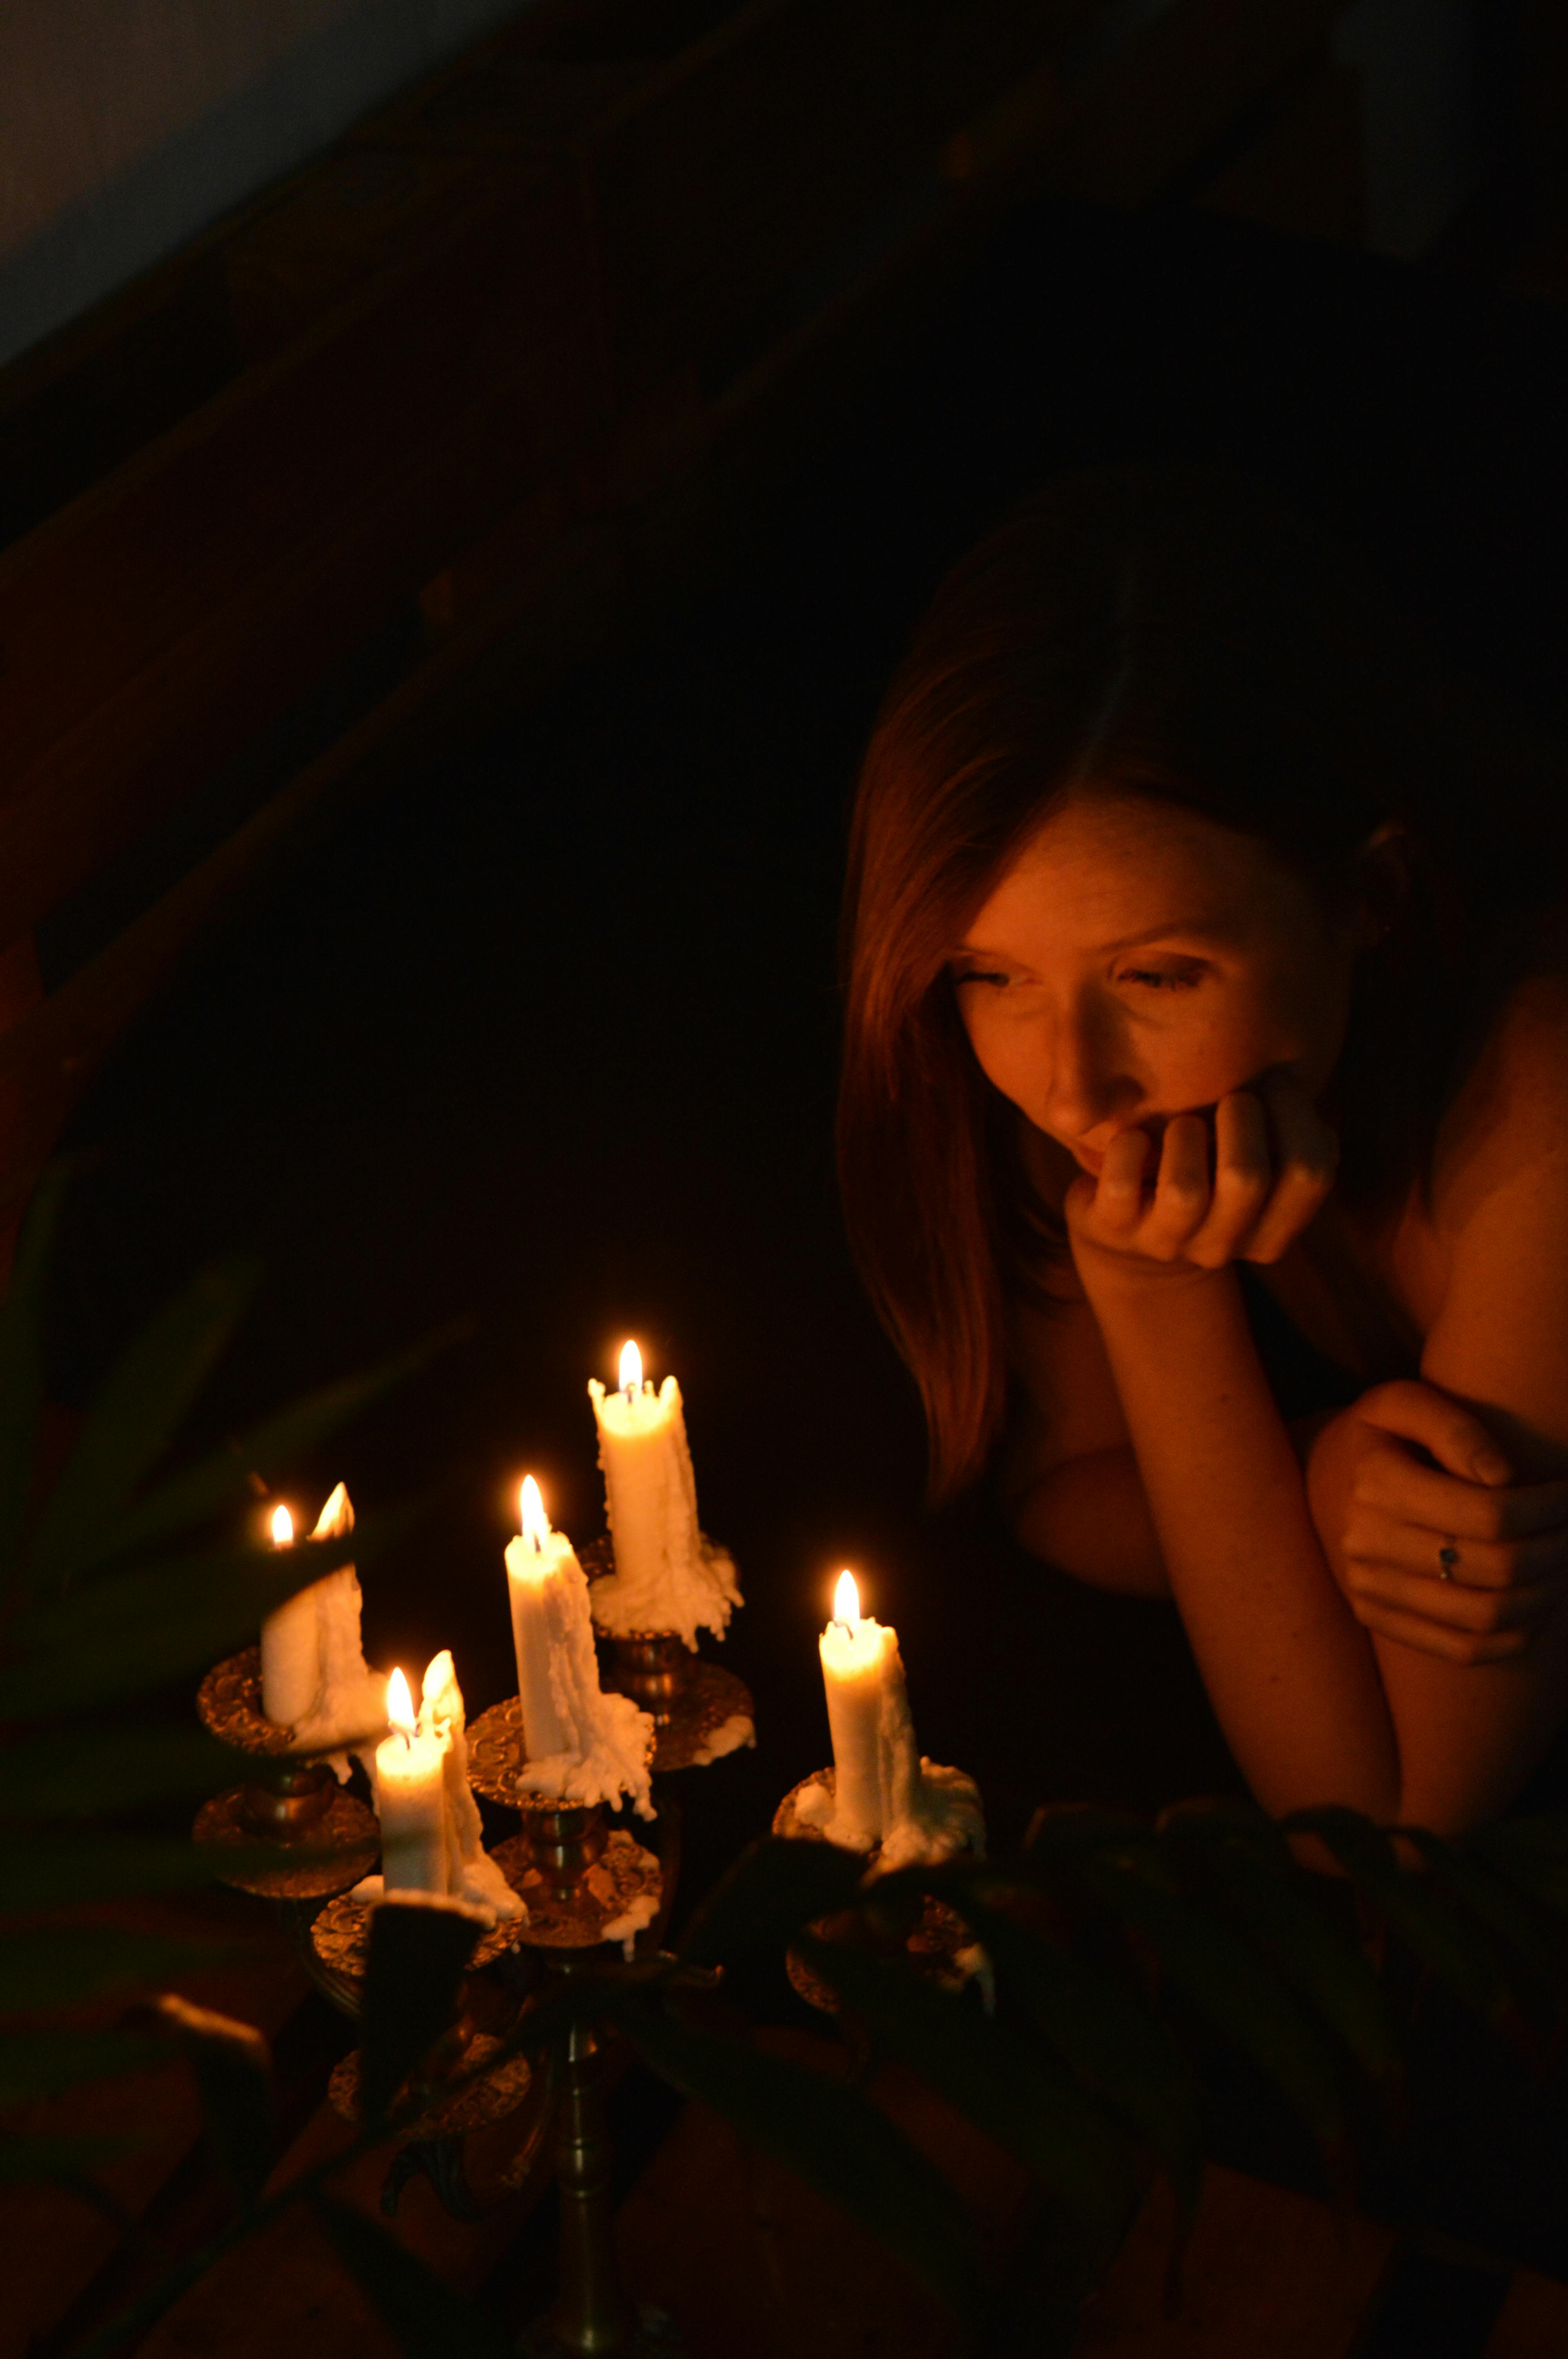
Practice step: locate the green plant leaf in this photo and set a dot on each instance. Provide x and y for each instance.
(1456, 1953)
(1228, 1983)
(58, 2158)
(1531, 1853)
(233, 2070)
(1468, 1877)
(1120, 2048)
(774, 1888)
(1256, 1875)
(49, 1966)
(142, 1629)
(41, 2064)
(97, 1772)
(430, 2318)
(136, 1416)
(414, 1963)
(21, 1361)
(44, 1870)
(199, 1493)
(1015, 2093)
(833, 2137)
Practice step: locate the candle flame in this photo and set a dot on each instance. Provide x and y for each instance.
(336, 1517)
(847, 1602)
(400, 1707)
(631, 1369)
(282, 1528)
(535, 1523)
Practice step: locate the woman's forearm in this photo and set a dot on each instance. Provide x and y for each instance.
(1291, 1673)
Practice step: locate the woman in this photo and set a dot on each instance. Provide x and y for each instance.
(1193, 933)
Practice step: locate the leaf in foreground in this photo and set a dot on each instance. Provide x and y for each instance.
(835, 2139)
(428, 2319)
(1001, 2083)
(48, 1966)
(774, 1888)
(136, 1416)
(415, 1962)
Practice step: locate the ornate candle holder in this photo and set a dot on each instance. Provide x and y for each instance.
(699, 1711)
(434, 2141)
(941, 1945)
(296, 1799)
(586, 1884)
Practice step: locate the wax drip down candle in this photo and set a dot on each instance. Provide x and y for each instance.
(431, 1839)
(315, 1678)
(886, 1796)
(578, 1740)
(410, 1801)
(668, 1576)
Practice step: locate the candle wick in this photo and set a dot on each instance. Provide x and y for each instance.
(538, 1545)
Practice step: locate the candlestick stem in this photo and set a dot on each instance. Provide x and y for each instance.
(592, 2315)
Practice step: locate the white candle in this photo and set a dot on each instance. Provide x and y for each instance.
(667, 1576)
(537, 1566)
(471, 1871)
(576, 1741)
(876, 1764)
(290, 1645)
(411, 1799)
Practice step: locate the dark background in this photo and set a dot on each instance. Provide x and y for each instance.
(546, 1034)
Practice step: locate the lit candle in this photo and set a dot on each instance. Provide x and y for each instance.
(536, 1568)
(576, 1741)
(290, 1646)
(874, 1756)
(315, 1678)
(411, 1799)
(667, 1576)
(471, 1871)
(886, 1794)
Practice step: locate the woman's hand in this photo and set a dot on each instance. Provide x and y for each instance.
(1206, 1198)
(1455, 1558)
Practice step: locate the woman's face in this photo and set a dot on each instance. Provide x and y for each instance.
(1138, 960)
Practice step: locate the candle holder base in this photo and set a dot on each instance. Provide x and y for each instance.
(699, 1711)
(339, 1939)
(941, 1946)
(342, 1824)
(584, 1883)
(229, 1702)
(488, 2099)
(497, 1759)
(652, 2334)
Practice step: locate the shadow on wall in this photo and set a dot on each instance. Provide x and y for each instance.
(127, 126)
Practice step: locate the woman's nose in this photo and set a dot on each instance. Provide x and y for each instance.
(1085, 1086)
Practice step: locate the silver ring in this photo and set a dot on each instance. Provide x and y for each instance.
(1447, 1558)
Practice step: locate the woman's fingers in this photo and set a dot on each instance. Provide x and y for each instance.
(1306, 1154)
(1118, 1195)
(1392, 1481)
(1432, 1639)
(1243, 1178)
(1454, 1604)
(1453, 1433)
(1373, 1537)
(1181, 1189)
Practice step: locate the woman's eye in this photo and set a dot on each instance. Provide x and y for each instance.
(1155, 978)
(978, 974)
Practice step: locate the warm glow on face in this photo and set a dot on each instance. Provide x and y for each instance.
(847, 1602)
(631, 1369)
(535, 1523)
(400, 1705)
(282, 1528)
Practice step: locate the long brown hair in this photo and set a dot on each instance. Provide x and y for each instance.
(1184, 636)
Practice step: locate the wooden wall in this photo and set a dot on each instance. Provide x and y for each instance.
(127, 126)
